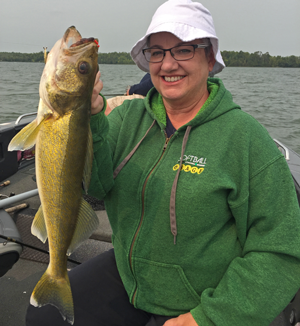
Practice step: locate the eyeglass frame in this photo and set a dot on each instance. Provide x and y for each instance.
(195, 46)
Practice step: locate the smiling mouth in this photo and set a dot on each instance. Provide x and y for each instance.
(173, 78)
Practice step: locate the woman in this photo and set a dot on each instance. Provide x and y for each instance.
(200, 200)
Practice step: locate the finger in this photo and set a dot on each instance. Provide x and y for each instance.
(97, 87)
(98, 103)
(98, 75)
(169, 322)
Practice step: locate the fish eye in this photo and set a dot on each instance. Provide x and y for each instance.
(83, 67)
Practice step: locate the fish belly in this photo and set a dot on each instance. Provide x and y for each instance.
(61, 152)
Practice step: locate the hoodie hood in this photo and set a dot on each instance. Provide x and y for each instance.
(212, 108)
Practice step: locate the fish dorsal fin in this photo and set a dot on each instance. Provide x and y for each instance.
(26, 138)
(87, 222)
(88, 163)
(38, 226)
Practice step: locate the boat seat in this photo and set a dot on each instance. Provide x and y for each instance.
(9, 251)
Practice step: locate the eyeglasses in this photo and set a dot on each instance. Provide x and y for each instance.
(179, 53)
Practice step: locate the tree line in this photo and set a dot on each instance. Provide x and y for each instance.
(103, 58)
(231, 59)
(258, 59)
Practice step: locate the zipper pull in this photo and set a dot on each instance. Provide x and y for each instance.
(166, 142)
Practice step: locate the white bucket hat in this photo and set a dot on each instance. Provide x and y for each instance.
(185, 19)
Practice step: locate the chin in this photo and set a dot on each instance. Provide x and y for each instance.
(171, 95)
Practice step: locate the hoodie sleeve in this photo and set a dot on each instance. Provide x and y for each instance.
(258, 285)
(102, 170)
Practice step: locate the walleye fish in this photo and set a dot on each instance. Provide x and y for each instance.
(64, 156)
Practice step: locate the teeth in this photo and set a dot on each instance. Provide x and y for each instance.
(173, 79)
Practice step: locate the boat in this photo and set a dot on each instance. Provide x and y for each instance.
(23, 258)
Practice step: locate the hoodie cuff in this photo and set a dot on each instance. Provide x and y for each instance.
(200, 317)
(104, 105)
(104, 102)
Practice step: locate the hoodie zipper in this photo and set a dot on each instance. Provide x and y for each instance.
(142, 216)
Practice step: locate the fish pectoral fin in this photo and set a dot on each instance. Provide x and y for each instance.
(54, 291)
(38, 226)
(87, 222)
(88, 163)
(25, 138)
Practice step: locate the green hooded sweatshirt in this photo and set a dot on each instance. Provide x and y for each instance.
(206, 221)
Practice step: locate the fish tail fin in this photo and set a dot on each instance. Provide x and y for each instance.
(54, 291)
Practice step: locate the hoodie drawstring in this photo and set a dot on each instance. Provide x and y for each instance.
(128, 157)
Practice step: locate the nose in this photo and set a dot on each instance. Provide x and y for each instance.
(169, 63)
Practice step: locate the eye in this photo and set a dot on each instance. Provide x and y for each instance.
(156, 53)
(183, 50)
(83, 67)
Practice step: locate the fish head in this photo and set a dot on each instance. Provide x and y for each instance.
(69, 74)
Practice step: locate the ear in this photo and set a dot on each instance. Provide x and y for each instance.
(211, 59)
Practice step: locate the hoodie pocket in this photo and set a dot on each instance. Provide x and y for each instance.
(163, 288)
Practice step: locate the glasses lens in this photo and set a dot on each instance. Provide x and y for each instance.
(183, 52)
(154, 55)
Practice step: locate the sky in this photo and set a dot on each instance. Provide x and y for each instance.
(27, 26)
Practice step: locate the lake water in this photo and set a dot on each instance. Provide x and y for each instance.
(271, 95)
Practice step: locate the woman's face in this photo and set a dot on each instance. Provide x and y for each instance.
(189, 80)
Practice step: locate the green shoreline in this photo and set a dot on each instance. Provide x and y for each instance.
(231, 59)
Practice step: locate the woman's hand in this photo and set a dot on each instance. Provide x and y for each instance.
(97, 100)
(182, 320)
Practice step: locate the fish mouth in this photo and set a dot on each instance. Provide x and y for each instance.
(72, 38)
(85, 41)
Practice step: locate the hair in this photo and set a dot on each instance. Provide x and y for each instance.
(208, 50)
(148, 41)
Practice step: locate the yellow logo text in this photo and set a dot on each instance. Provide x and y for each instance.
(188, 168)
